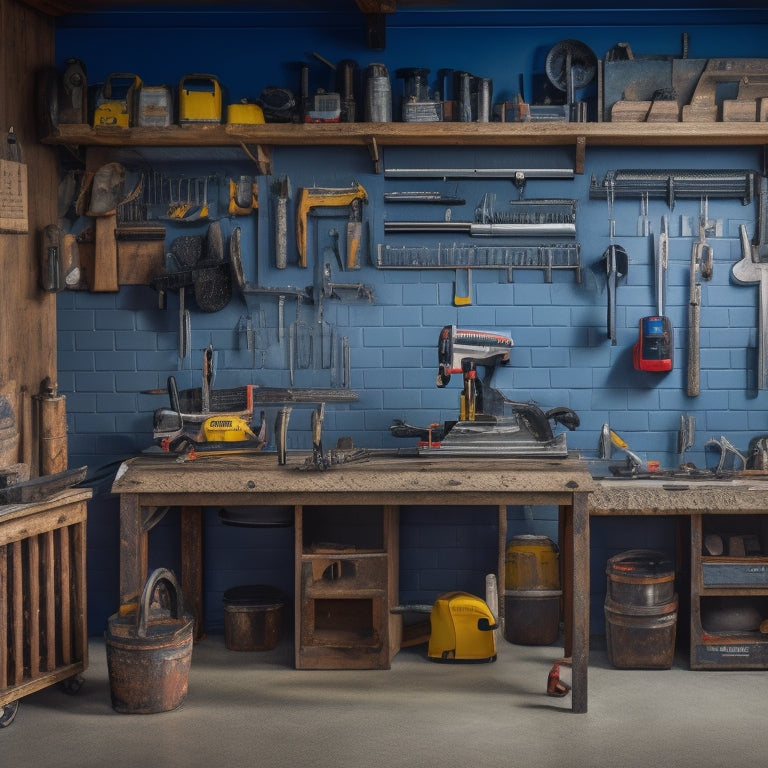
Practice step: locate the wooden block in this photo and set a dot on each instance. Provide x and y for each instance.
(739, 111)
(139, 261)
(664, 112)
(105, 255)
(630, 111)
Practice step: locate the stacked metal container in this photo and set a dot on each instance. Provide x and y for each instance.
(641, 610)
(532, 593)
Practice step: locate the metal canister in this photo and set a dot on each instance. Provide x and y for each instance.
(484, 91)
(463, 89)
(378, 94)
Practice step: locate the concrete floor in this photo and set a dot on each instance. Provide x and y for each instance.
(255, 709)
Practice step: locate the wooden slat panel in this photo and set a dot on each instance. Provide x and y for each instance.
(33, 605)
(4, 602)
(17, 617)
(48, 603)
(77, 591)
(65, 588)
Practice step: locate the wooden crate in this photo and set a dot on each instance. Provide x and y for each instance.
(43, 632)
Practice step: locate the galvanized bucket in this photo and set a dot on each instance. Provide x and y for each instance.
(149, 652)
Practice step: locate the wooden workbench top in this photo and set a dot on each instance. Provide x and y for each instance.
(656, 497)
(411, 479)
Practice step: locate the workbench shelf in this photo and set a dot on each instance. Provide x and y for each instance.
(346, 576)
(729, 592)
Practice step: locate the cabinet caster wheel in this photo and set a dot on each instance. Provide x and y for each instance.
(72, 685)
(8, 713)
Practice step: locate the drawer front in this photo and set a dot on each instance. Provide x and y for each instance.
(744, 573)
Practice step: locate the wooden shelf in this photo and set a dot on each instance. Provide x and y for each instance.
(256, 140)
(426, 134)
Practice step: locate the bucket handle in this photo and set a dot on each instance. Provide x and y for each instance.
(174, 593)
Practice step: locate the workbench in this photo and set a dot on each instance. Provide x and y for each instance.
(149, 486)
(730, 504)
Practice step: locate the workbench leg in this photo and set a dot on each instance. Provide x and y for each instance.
(192, 565)
(579, 599)
(133, 550)
(501, 568)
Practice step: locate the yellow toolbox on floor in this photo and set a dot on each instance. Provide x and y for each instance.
(461, 629)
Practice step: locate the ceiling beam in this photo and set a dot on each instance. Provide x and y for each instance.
(376, 21)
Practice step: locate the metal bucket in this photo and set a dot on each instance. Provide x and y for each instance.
(148, 657)
(640, 577)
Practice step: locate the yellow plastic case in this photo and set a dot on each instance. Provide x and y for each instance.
(116, 104)
(199, 99)
(461, 629)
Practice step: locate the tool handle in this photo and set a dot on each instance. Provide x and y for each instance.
(694, 316)
(281, 233)
(611, 285)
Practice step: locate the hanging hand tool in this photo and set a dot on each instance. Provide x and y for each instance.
(281, 223)
(616, 267)
(281, 432)
(685, 436)
(701, 264)
(671, 185)
(654, 348)
(518, 176)
(354, 234)
(753, 268)
(320, 197)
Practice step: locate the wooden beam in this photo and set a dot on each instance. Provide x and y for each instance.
(376, 21)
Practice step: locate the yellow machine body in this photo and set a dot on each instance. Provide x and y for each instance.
(117, 101)
(245, 114)
(199, 99)
(461, 629)
(226, 429)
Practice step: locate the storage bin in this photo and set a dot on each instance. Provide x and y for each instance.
(532, 616)
(641, 636)
(253, 616)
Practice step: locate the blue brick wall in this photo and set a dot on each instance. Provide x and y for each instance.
(112, 347)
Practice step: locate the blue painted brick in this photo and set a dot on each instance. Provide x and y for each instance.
(115, 403)
(82, 320)
(550, 357)
(95, 340)
(117, 361)
(419, 294)
(99, 423)
(382, 337)
(94, 382)
(402, 316)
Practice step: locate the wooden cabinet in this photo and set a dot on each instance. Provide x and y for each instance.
(729, 591)
(43, 633)
(346, 584)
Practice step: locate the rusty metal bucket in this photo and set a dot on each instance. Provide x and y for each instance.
(149, 652)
